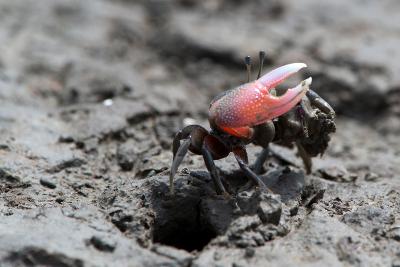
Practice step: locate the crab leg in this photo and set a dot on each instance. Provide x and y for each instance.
(241, 158)
(178, 157)
(192, 137)
(305, 157)
(262, 157)
(263, 136)
(320, 103)
(212, 169)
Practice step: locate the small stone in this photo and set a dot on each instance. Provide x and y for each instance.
(249, 252)
(66, 139)
(4, 147)
(47, 183)
(270, 209)
(102, 245)
(370, 177)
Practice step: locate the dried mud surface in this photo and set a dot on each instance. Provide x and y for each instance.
(91, 93)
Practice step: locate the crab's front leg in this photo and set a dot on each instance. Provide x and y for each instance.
(190, 136)
(197, 139)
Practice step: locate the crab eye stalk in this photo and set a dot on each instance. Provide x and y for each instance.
(247, 61)
(261, 57)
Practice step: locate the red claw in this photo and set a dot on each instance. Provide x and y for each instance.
(252, 104)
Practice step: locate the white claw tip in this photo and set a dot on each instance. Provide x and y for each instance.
(301, 65)
(296, 66)
(307, 82)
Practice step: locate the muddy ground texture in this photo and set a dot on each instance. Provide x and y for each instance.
(92, 93)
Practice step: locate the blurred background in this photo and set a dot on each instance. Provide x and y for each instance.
(92, 92)
(173, 57)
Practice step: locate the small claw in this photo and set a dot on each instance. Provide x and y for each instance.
(276, 76)
(320, 103)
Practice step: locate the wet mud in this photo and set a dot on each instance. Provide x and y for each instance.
(92, 93)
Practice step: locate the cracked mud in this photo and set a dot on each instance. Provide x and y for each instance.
(92, 92)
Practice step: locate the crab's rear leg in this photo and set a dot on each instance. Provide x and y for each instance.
(241, 157)
(307, 161)
(261, 158)
(263, 136)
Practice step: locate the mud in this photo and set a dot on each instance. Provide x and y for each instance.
(92, 92)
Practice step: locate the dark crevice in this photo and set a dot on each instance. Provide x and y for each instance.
(180, 225)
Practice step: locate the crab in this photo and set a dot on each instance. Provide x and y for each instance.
(255, 112)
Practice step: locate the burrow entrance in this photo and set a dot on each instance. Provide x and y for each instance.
(179, 224)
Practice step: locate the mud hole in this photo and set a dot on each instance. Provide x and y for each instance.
(92, 93)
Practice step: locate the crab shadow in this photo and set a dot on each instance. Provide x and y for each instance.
(195, 214)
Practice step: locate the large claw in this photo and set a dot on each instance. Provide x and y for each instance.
(277, 76)
(278, 106)
(252, 104)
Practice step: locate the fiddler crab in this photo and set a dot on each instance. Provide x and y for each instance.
(256, 113)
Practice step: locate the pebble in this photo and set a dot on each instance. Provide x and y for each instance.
(47, 183)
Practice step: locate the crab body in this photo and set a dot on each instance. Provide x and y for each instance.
(252, 113)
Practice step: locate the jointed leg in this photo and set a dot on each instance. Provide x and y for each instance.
(305, 157)
(262, 157)
(263, 136)
(179, 154)
(241, 158)
(192, 137)
(212, 169)
(193, 132)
